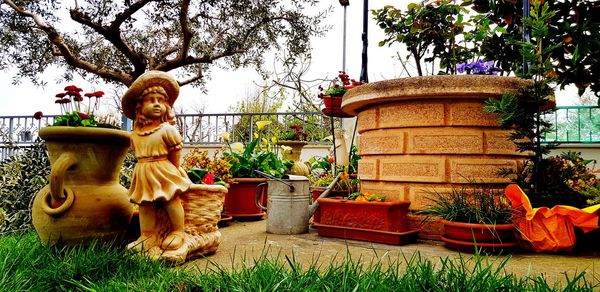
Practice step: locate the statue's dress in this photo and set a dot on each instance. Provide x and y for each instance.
(155, 178)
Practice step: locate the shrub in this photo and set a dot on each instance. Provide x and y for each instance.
(21, 177)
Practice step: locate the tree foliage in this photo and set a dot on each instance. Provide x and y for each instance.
(117, 41)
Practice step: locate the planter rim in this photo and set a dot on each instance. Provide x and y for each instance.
(87, 134)
(208, 188)
(292, 142)
(476, 87)
(248, 179)
(504, 226)
(342, 201)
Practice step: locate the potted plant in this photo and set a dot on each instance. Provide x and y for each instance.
(245, 160)
(364, 216)
(203, 170)
(332, 97)
(84, 199)
(473, 217)
(291, 144)
(432, 132)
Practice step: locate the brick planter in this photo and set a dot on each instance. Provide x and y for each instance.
(429, 133)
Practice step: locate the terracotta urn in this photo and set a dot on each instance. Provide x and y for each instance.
(298, 168)
(429, 133)
(84, 199)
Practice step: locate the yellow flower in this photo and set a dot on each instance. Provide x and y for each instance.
(261, 124)
(225, 136)
(237, 146)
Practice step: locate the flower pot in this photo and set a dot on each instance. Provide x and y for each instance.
(479, 232)
(333, 107)
(468, 237)
(298, 168)
(240, 200)
(84, 199)
(383, 222)
(316, 192)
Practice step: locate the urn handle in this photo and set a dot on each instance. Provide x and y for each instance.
(59, 194)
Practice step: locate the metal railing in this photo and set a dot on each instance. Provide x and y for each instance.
(19, 132)
(574, 124)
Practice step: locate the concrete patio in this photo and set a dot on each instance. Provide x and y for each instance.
(244, 241)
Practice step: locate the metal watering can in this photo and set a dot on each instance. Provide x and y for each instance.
(288, 209)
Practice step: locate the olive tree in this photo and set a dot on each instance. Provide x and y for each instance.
(117, 41)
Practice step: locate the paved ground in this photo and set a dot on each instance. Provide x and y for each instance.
(245, 241)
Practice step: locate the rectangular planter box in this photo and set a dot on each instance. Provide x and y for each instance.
(383, 222)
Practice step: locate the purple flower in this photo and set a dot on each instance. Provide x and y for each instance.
(478, 67)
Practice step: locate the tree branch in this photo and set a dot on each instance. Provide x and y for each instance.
(113, 34)
(193, 79)
(185, 29)
(56, 39)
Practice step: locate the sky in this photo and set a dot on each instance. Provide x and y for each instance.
(26, 99)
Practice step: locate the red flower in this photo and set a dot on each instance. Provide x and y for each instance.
(38, 115)
(83, 115)
(209, 179)
(61, 95)
(330, 159)
(89, 94)
(78, 98)
(64, 100)
(98, 93)
(73, 88)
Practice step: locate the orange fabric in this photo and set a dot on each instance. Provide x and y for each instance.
(549, 229)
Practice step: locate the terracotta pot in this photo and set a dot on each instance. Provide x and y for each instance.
(84, 199)
(383, 222)
(333, 107)
(479, 232)
(332, 101)
(240, 201)
(298, 168)
(469, 237)
(316, 192)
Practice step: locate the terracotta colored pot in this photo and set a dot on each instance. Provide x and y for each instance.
(482, 233)
(240, 201)
(383, 222)
(387, 216)
(333, 107)
(84, 199)
(316, 192)
(421, 134)
(332, 101)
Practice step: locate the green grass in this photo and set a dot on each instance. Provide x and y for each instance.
(25, 265)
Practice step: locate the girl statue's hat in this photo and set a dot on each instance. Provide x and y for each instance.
(148, 79)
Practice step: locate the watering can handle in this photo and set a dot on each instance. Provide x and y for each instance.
(59, 194)
(259, 194)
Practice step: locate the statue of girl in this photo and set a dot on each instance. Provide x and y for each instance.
(157, 180)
